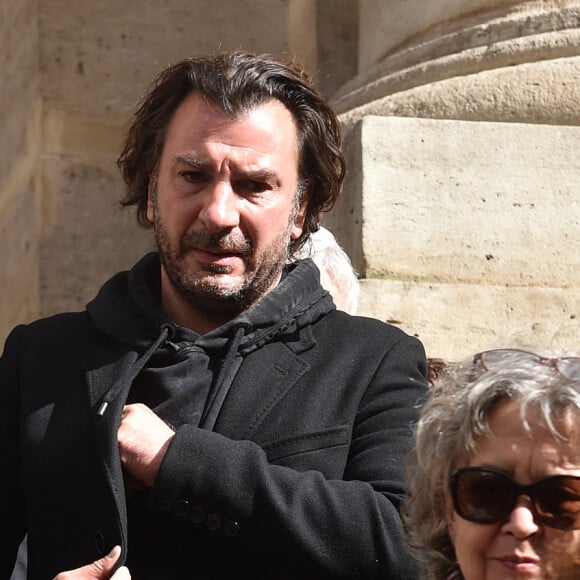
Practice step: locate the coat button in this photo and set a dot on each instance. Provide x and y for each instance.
(197, 514)
(181, 508)
(230, 529)
(213, 522)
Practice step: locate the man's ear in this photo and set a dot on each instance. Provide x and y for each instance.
(151, 195)
(300, 217)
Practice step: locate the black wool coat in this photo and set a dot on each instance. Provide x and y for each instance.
(297, 473)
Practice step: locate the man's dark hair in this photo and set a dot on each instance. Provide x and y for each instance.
(237, 82)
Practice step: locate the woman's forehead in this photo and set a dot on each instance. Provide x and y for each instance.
(527, 444)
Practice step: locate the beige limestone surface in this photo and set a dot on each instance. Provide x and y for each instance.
(544, 92)
(19, 268)
(464, 232)
(73, 72)
(456, 320)
(98, 58)
(426, 30)
(19, 84)
(20, 126)
(482, 60)
(489, 203)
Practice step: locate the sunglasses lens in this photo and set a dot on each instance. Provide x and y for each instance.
(557, 502)
(482, 497)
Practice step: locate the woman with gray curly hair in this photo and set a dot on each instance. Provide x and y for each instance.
(495, 476)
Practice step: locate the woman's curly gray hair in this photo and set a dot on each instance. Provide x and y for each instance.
(456, 414)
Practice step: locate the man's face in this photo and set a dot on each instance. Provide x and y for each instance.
(224, 205)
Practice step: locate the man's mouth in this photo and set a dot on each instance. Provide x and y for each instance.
(216, 255)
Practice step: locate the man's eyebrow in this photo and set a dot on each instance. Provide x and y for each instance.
(197, 162)
(261, 174)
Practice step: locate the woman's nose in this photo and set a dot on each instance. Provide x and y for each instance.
(522, 521)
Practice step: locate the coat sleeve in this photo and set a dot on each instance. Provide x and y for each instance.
(299, 521)
(12, 508)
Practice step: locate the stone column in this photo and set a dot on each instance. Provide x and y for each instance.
(482, 60)
(461, 208)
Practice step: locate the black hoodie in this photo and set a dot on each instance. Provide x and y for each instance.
(180, 374)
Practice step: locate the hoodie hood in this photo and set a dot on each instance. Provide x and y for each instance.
(173, 363)
(127, 309)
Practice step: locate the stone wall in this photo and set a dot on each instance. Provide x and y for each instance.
(461, 206)
(468, 231)
(482, 60)
(444, 104)
(73, 72)
(20, 137)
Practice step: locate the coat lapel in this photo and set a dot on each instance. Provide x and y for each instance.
(262, 381)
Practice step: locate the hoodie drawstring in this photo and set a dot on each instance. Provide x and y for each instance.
(226, 376)
(124, 382)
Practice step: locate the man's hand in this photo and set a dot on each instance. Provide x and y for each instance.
(98, 570)
(143, 439)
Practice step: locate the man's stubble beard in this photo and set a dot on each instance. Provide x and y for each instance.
(205, 289)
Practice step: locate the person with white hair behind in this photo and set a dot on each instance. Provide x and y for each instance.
(337, 274)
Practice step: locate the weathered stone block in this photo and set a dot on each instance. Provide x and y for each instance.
(20, 114)
(456, 320)
(453, 201)
(19, 264)
(87, 238)
(409, 44)
(19, 83)
(99, 57)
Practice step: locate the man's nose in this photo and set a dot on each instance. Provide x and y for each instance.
(522, 521)
(220, 209)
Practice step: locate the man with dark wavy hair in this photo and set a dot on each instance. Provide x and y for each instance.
(211, 412)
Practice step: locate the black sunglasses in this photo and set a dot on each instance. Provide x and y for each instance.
(568, 367)
(485, 496)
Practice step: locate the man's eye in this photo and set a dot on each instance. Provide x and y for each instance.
(255, 186)
(192, 176)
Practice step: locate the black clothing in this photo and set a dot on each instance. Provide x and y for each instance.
(293, 421)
